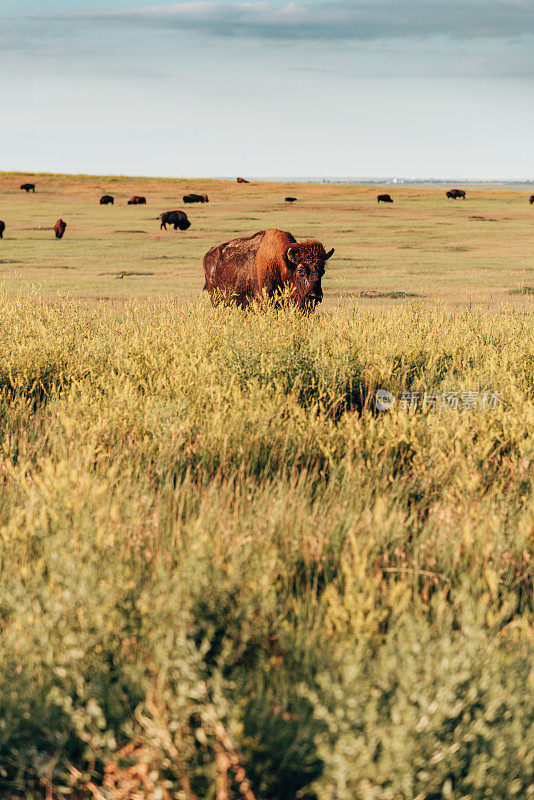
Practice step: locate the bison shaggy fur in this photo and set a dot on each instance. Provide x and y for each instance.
(59, 228)
(195, 198)
(176, 218)
(264, 264)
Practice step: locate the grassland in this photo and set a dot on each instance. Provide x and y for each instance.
(223, 573)
(475, 252)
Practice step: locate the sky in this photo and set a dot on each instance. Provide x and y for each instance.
(295, 88)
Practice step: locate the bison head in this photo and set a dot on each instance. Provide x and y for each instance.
(306, 262)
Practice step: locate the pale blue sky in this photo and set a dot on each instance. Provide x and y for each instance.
(414, 88)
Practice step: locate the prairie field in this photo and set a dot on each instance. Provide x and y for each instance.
(225, 574)
(478, 251)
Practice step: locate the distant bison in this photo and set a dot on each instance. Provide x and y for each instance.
(176, 218)
(291, 199)
(384, 198)
(264, 263)
(137, 200)
(242, 180)
(106, 199)
(2, 229)
(28, 187)
(195, 198)
(531, 199)
(59, 228)
(455, 194)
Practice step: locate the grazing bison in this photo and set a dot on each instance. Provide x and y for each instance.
(137, 200)
(384, 198)
(176, 218)
(291, 199)
(195, 198)
(28, 187)
(246, 268)
(59, 228)
(531, 199)
(242, 180)
(106, 199)
(455, 194)
(2, 229)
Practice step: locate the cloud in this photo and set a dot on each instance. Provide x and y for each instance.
(358, 20)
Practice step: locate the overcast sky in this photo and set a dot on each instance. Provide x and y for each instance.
(413, 88)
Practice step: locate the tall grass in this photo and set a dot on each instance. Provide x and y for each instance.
(224, 573)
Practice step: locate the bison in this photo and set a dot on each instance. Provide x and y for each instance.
(28, 187)
(455, 194)
(106, 199)
(242, 180)
(195, 198)
(384, 198)
(291, 199)
(137, 200)
(176, 218)
(265, 263)
(2, 229)
(531, 199)
(59, 228)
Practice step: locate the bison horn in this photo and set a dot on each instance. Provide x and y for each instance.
(330, 253)
(290, 257)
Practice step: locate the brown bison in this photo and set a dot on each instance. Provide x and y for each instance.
(176, 218)
(264, 263)
(455, 194)
(137, 200)
(242, 180)
(531, 199)
(28, 187)
(384, 198)
(195, 198)
(59, 228)
(291, 199)
(106, 199)
(2, 229)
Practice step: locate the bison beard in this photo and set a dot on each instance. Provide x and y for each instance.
(2, 229)
(265, 263)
